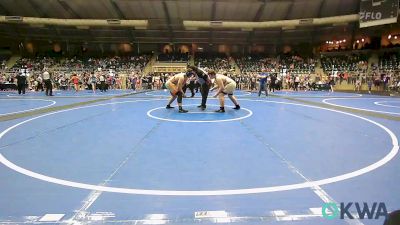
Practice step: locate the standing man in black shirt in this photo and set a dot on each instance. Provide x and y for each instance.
(21, 83)
(205, 84)
(272, 85)
(150, 81)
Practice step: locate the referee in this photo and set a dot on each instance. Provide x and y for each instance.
(205, 83)
(47, 83)
(263, 84)
(21, 83)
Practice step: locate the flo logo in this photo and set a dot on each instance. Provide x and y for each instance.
(332, 210)
(370, 15)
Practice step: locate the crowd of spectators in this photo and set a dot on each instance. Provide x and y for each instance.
(27, 66)
(136, 63)
(255, 63)
(386, 75)
(297, 64)
(35, 64)
(383, 76)
(286, 71)
(85, 70)
(389, 62)
(275, 80)
(290, 63)
(386, 80)
(215, 61)
(344, 63)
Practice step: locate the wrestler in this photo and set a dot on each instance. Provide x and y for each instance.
(224, 86)
(175, 85)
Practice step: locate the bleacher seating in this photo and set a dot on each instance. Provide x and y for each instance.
(389, 62)
(173, 57)
(257, 63)
(344, 63)
(215, 61)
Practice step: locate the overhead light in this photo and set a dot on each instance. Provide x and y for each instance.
(327, 42)
(344, 40)
(337, 42)
(14, 18)
(362, 40)
(395, 37)
(358, 41)
(113, 21)
(216, 23)
(306, 21)
(390, 36)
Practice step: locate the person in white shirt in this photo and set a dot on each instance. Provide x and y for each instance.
(357, 86)
(102, 80)
(296, 83)
(47, 82)
(93, 82)
(39, 85)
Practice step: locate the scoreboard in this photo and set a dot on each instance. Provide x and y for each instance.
(378, 12)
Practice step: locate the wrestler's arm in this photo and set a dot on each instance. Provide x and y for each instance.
(179, 86)
(220, 86)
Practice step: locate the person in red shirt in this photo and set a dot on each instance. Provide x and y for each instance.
(75, 81)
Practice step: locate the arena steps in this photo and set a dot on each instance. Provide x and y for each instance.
(373, 59)
(13, 60)
(149, 66)
(233, 64)
(191, 60)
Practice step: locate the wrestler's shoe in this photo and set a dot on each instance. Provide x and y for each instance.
(183, 111)
(237, 107)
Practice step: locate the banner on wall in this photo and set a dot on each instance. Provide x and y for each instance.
(378, 12)
(169, 69)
